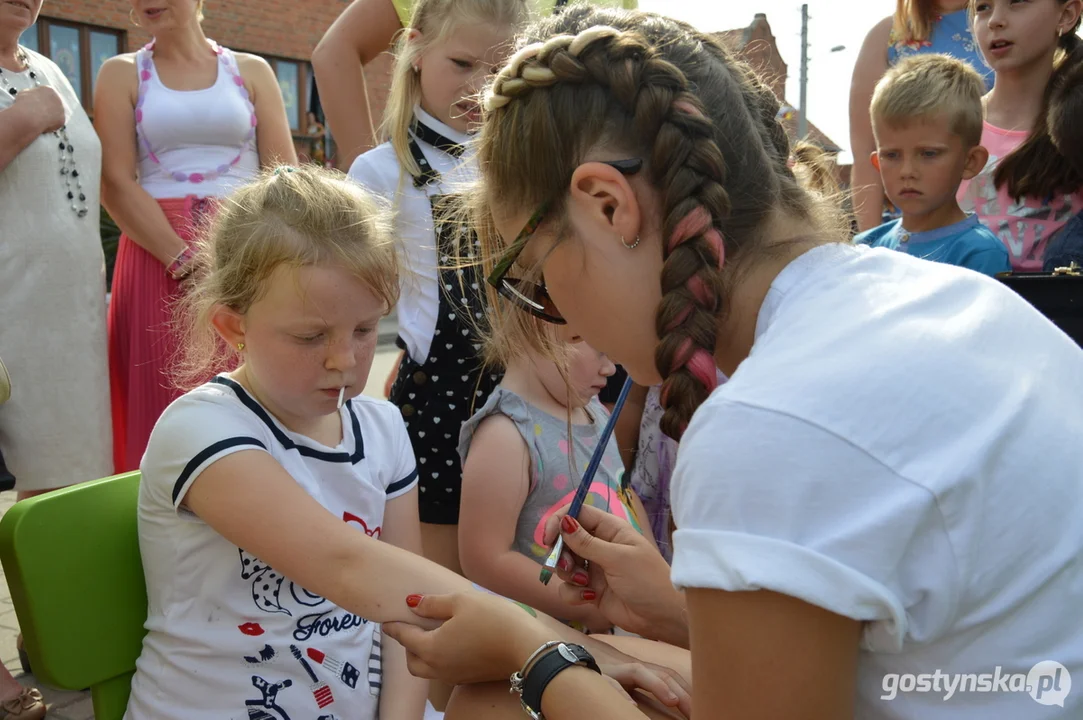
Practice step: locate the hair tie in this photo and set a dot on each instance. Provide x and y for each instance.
(284, 168)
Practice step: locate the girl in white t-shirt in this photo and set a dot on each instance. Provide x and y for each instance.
(878, 514)
(442, 61)
(259, 487)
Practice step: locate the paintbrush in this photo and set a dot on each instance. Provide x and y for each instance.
(584, 485)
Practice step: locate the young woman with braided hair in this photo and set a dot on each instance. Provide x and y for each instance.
(868, 500)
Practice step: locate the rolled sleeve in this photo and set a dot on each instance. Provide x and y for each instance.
(766, 501)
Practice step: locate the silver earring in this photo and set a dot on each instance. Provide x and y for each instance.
(633, 246)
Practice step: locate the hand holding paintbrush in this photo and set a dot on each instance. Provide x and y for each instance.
(588, 478)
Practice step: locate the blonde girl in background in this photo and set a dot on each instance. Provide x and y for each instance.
(523, 455)
(442, 61)
(343, 63)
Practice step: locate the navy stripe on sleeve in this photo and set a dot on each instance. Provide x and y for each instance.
(402, 484)
(208, 453)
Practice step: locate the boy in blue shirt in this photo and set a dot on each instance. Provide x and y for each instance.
(927, 120)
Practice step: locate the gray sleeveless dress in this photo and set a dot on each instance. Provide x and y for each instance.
(553, 477)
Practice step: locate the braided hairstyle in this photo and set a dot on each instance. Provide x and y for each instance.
(704, 124)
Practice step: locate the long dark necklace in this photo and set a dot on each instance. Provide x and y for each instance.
(72, 181)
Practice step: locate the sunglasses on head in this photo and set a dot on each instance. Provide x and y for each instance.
(526, 294)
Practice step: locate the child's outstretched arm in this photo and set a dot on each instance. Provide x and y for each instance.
(250, 499)
(403, 695)
(496, 481)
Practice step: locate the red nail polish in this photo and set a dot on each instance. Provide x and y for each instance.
(569, 524)
(589, 594)
(564, 564)
(580, 578)
(414, 600)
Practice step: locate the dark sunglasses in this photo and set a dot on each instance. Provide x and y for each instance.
(525, 294)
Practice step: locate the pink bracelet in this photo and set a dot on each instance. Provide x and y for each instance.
(181, 266)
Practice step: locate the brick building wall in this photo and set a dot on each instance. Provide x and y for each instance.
(757, 46)
(276, 29)
(290, 29)
(283, 28)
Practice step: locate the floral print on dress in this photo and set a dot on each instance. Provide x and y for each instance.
(951, 35)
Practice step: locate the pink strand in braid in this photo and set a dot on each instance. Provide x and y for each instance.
(698, 361)
(679, 319)
(699, 223)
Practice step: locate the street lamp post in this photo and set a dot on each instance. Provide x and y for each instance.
(802, 118)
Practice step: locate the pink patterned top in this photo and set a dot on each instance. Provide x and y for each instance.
(1023, 226)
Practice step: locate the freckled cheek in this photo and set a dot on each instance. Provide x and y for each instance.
(298, 364)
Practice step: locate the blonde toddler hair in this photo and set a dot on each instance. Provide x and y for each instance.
(289, 216)
(926, 86)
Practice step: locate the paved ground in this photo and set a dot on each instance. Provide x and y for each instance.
(65, 705)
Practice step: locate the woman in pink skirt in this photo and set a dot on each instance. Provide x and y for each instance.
(182, 121)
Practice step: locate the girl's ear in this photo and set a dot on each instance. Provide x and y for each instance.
(603, 198)
(413, 35)
(230, 325)
(1070, 13)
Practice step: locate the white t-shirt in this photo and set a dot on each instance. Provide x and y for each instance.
(379, 171)
(224, 629)
(902, 447)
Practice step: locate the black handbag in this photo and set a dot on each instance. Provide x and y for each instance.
(1057, 295)
(7, 480)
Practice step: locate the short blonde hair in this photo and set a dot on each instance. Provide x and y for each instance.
(435, 20)
(289, 216)
(924, 86)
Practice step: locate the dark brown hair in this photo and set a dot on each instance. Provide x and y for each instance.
(706, 127)
(1036, 168)
(1066, 110)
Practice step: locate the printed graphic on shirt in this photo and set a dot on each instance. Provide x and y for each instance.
(1024, 226)
(262, 708)
(311, 618)
(599, 495)
(346, 673)
(351, 519)
(266, 583)
(320, 689)
(265, 655)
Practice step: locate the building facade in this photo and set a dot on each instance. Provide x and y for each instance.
(79, 36)
(756, 45)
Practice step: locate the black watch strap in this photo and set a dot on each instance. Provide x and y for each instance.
(547, 667)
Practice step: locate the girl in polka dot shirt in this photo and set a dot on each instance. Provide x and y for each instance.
(520, 467)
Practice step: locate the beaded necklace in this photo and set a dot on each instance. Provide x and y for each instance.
(73, 183)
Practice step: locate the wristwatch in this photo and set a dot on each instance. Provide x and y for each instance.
(546, 663)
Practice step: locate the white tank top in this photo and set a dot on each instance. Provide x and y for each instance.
(207, 133)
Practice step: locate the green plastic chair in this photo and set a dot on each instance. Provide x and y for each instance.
(72, 562)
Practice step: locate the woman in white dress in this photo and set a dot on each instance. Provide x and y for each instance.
(55, 429)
